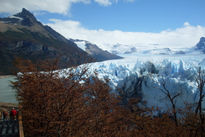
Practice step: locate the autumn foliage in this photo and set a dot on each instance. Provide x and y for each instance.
(75, 105)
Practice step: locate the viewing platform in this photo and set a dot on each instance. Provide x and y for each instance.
(10, 126)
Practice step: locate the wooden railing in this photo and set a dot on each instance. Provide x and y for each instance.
(21, 133)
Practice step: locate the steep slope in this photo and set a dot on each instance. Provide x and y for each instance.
(95, 51)
(201, 45)
(21, 35)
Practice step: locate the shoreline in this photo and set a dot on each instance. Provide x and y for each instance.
(5, 76)
(7, 105)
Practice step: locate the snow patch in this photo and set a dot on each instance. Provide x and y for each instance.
(81, 44)
(15, 17)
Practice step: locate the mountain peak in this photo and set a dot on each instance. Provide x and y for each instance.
(27, 16)
(201, 44)
(25, 11)
(26, 38)
(202, 39)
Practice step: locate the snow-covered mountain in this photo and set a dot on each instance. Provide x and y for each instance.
(121, 49)
(154, 48)
(143, 74)
(95, 51)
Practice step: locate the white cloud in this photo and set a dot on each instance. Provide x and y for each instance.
(186, 24)
(185, 37)
(53, 6)
(103, 2)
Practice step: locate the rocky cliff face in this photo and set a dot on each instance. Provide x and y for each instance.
(21, 35)
(201, 44)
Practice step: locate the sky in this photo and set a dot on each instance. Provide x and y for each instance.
(168, 23)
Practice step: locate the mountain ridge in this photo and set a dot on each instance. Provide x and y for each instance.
(22, 36)
(95, 51)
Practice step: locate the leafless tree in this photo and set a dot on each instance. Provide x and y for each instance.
(200, 80)
(172, 97)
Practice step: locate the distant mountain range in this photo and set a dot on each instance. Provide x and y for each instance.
(151, 49)
(21, 35)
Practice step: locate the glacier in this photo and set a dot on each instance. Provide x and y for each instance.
(147, 72)
(178, 71)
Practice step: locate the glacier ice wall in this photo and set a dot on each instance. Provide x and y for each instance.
(178, 72)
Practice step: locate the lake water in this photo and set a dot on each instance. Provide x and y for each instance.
(7, 94)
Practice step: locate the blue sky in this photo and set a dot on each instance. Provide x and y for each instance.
(167, 23)
(139, 15)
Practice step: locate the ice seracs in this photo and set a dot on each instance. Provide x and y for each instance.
(178, 71)
(144, 72)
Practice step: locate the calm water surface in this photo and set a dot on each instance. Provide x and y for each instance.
(7, 94)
